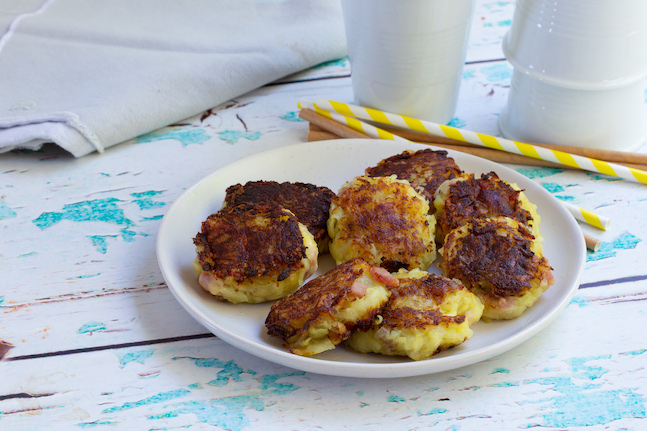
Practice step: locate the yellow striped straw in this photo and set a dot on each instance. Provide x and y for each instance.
(502, 144)
(587, 216)
(353, 123)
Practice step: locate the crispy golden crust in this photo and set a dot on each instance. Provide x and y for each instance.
(425, 169)
(496, 256)
(310, 203)
(424, 315)
(384, 221)
(422, 296)
(472, 197)
(251, 240)
(324, 302)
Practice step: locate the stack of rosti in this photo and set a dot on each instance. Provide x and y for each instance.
(264, 242)
(492, 243)
(382, 230)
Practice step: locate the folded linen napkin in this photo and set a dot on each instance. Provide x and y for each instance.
(88, 74)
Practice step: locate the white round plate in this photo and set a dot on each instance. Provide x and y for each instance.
(331, 164)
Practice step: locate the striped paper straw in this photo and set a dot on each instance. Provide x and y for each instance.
(353, 123)
(502, 144)
(375, 132)
(587, 216)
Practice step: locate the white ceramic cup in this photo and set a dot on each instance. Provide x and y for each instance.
(581, 44)
(579, 73)
(407, 56)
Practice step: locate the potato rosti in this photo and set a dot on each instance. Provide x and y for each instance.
(254, 253)
(310, 203)
(499, 260)
(384, 221)
(424, 169)
(425, 314)
(327, 309)
(467, 197)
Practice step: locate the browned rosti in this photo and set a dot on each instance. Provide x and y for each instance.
(425, 169)
(326, 310)
(468, 197)
(425, 314)
(384, 221)
(501, 262)
(254, 252)
(310, 203)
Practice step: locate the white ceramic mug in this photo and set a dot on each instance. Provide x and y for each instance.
(579, 73)
(583, 44)
(611, 118)
(407, 56)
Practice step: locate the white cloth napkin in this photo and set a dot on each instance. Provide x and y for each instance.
(88, 74)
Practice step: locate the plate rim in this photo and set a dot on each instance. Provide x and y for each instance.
(365, 369)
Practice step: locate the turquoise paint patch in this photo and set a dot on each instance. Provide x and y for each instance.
(468, 74)
(539, 172)
(579, 301)
(500, 371)
(230, 371)
(100, 242)
(153, 218)
(91, 327)
(553, 187)
(204, 362)
(155, 399)
(634, 352)
(226, 413)
(504, 23)
(586, 405)
(94, 424)
(5, 211)
(395, 399)
(232, 136)
(584, 371)
(566, 198)
(31, 253)
(497, 73)
(456, 122)
(128, 235)
(1, 299)
(625, 241)
(184, 136)
(341, 62)
(596, 176)
(144, 200)
(432, 412)
(195, 386)
(88, 275)
(99, 210)
(270, 382)
(504, 385)
(493, 5)
(292, 116)
(139, 356)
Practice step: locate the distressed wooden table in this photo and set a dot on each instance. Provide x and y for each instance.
(92, 337)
